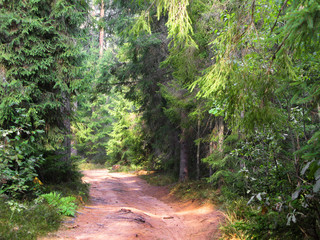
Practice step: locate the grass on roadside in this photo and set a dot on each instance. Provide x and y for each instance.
(91, 166)
(191, 190)
(26, 220)
(158, 179)
(33, 218)
(234, 215)
(195, 190)
(123, 168)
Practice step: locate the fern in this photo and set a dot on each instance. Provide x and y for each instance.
(66, 205)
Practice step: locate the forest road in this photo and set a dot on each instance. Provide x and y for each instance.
(125, 207)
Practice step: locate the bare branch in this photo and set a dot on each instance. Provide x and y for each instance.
(284, 4)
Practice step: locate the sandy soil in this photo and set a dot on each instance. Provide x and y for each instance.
(125, 207)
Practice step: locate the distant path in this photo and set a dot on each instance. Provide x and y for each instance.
(125, 207)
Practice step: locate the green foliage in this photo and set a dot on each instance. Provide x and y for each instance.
(256, 222)
(178, 23)
(52, 171)
(65, 205)
(83, 165)
(92, 128)
(271, 212)
(125, 145)
(138, 60)
(26, 220)
(91, 124)
(19, 156)
(302, 25)
(195, 190)
(132, 168)
(159, 179)
(40, 59)
(178, 102)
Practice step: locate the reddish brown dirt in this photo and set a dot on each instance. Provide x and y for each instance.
(125, 207)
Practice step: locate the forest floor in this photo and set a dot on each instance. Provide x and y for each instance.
(125, 207)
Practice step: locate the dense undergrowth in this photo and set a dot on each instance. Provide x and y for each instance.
(38, 212)
(242, 219)
(31, 219)
(27, 220)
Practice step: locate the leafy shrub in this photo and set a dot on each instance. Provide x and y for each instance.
(20, 157)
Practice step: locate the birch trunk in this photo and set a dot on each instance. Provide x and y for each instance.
(101, 35)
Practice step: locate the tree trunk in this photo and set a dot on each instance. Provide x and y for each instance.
(2, 74)
(198, 149)
(184, 150)
(184, 158)
(211, 148)
(217, 137)
(101, 36)
(220, 134)
(65, 112)
(294, 148)
(176, 153)
(74, 150)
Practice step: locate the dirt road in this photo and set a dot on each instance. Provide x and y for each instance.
(125, 207)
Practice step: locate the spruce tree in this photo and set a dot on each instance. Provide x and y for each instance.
(40, 59)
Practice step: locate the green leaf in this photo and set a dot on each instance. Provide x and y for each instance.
(316, 186)
(296, 194)
(305, 168)
(310, 21)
